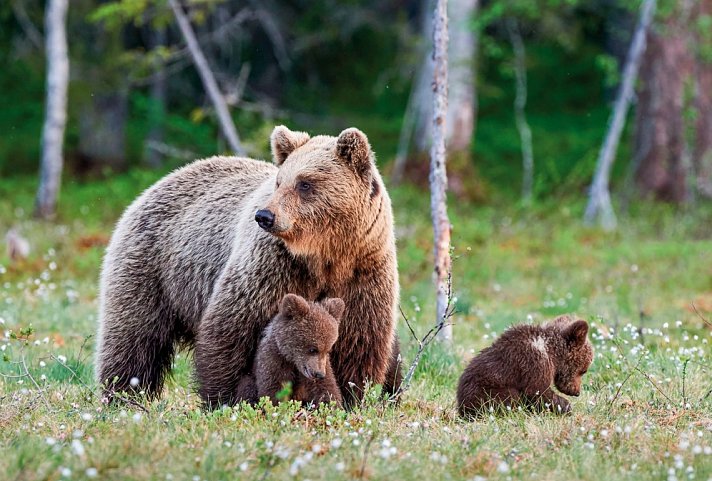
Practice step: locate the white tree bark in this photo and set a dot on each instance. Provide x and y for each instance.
(520, 103)
(55, 109)
(599, 206)
(438, 172)
(206, 75)
(461, 105)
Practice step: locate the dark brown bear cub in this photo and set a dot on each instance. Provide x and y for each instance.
(519, 368)
(295, 349)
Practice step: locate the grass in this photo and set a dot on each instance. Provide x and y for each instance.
(645, 411)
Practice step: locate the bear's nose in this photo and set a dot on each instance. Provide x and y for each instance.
(319, 375)
(264, 219)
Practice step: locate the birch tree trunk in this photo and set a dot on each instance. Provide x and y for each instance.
(206, 75)
(56, 108)
(438, 173)
(520, 103)
(599, 203)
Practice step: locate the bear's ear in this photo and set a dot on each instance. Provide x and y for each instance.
(352, 148)
(294, 306)
(576, 332)
(334, 306)
(283, 142)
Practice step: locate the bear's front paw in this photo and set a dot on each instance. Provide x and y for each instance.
(561, 406)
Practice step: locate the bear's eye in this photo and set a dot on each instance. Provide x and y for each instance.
(304, 186)
(313, 350)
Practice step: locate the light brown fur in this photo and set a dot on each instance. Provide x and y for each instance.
(521, 366)
(188, 263)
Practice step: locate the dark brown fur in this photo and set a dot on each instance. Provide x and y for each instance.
(295, 350)
(187, 262)
(394, 376)
(519, 368)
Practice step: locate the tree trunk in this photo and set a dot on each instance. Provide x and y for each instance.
(206, 75)
(520, 104)
(157, 106)
(703, 105)
(462, 102)
(462, 107)
(660, 142)
(438, 173)
(599, 202)
(102, 131)
(56, 108)
(417, 118)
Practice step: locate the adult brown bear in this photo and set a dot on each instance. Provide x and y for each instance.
(205, 255)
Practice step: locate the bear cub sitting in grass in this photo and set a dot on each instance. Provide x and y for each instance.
(519, 368)
(295, 350)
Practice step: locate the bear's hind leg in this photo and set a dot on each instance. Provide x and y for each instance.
(136, 348)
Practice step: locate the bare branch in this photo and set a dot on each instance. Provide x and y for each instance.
(366, 447)
(274, 34)
(33, 34)
(426, 339)
(620, 388)
(599, 201)
(211, 86)
(40, 391)
(694, 307)
(169, 150)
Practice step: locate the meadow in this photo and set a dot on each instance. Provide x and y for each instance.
(645, 411)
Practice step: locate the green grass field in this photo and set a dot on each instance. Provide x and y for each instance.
(645, 411)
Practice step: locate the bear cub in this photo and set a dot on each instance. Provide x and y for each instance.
(519, 368)
(295, 349)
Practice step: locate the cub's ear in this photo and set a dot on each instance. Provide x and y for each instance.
(294, 306)
(353, 149)
(576, 332)
(283, 142)
(334, 306)
(561, 321)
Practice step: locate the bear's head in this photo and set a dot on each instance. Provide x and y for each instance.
(305, 332)
(326, 190)
(576, 356)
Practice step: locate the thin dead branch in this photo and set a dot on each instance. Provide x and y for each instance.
(366, 448)
(225, 121)
(694, 308)
(426, 339)
(620, 388)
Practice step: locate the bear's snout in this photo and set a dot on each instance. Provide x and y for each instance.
(319, 375)
(265, 219)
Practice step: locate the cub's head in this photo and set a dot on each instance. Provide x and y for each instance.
(323, 191)
(306, 331)
(576, 357)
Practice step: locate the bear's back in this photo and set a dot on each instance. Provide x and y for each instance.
(180, 230)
